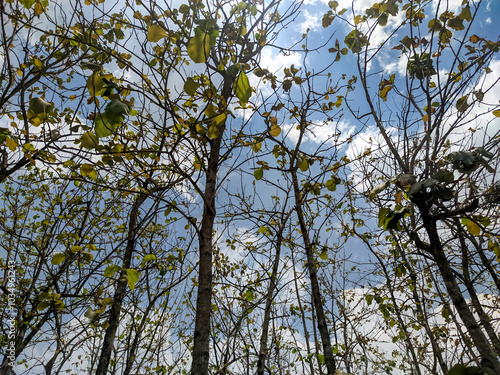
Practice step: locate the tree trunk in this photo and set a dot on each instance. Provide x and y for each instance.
(201, 337)
(313, 276)
(436, 249)
(121, 289)
(269, 299)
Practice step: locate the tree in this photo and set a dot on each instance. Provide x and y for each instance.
(175, 204)
(443, 179)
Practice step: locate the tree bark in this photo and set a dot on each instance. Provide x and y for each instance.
(269, 299)
(121, 289)
(313, 276)
(436, 249)
(201, 338)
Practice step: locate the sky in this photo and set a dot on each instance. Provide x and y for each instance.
(363, 136)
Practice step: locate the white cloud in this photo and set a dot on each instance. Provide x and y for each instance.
(318, 133)
(311, 21)
(274, 61)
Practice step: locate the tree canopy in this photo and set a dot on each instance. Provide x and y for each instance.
(234, 187)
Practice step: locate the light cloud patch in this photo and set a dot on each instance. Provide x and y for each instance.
(330, 133)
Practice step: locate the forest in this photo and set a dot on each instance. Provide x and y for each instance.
(249, 187)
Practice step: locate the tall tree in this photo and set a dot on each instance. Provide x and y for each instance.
(428, 150)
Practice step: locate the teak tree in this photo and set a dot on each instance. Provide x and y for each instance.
(429, 153)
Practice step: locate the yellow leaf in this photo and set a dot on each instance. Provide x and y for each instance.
(256, 146)
(94, 83)
(19, 72)
(11, 144)
(473, 228)
(155, 33)
(323, 255)
(37, 63)
(75, 248)
(383, 93)
(497, 113)
(199, 48)
(38, 9)
(304, 165)
(219, 119)
(88, 170)
(275, 130)
(425, 118)
(213, 132)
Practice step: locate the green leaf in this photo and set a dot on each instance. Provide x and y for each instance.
(91, 66)
(75, 248)
(256, 146)
(190, 86)
(389, 219)
(444, 175)
(27, 3)
(28, 147)
(495, 247)
(242, 88)
(199, 48)
(155, 33)
(384, 91)
(43, 305)
(262, 230)
(241, 5)
(458, 369)
(87, 255)
(132, 277)
(462, 104)
(89, 140)
(114, 114)
(275, 129)
(446, 314)
(38, 108)
(323, 255)
(249, 295)
(355, 41)
(11, 143)
(383, 212)
(479, 94)
(148, 258)
(58, 259)
(259, 173)
(111, 270)
(91, 314)
(415, 188)
(116, 111)
(464, 161)
(103, 126)
(287, 85)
